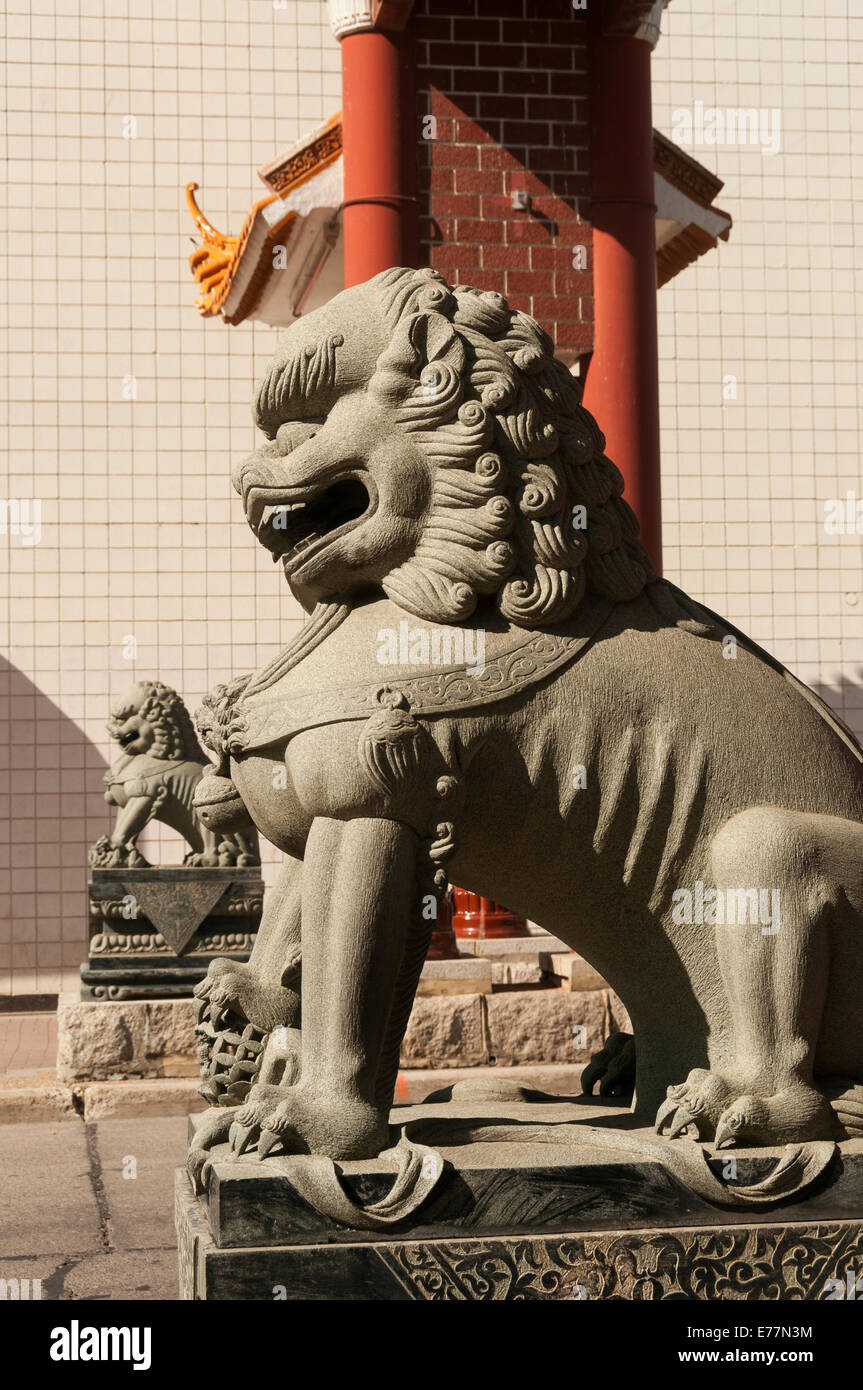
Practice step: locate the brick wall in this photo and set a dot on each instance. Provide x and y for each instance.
(509, 100)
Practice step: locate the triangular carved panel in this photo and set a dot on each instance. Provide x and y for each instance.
(177, 909)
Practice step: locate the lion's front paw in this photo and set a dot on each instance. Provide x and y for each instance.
(299, 1120)
(216, 972)
(105, 854)
(613, 1067)
(235, 988)
(212, 1129)
(793, 1115)
(727, 1109)
(248, 1122)
(202, 859)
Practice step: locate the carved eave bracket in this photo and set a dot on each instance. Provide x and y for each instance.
(635, 19)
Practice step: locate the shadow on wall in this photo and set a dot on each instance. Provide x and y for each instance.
(51, 810)
(845, 696)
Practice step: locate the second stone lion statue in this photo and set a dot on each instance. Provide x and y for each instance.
(692, 824)
(155, 779)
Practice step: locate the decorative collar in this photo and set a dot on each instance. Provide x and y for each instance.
(454, 690)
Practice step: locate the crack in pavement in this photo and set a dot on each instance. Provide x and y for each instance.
(100, 1195)
(54, 1287)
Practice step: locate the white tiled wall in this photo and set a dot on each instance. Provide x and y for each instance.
(142, 534)
(778, 307)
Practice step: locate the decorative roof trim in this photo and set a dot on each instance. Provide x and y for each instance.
(276, 235)
(215, 261)
(683, 171)
(305, 158)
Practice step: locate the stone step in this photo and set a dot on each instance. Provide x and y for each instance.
(507, 963)
(127, 1039)
(468, 975)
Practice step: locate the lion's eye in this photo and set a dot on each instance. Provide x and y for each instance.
(293, 433)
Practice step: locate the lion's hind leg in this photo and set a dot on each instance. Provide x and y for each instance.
(781, 876)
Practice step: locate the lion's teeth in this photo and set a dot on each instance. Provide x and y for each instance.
(284, 509)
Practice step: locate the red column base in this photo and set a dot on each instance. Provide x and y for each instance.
(443, 944)
(476, 917)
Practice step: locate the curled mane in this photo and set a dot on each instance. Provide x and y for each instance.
(175, 734)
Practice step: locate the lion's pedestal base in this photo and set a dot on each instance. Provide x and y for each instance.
(520, 1221)
(154, 931)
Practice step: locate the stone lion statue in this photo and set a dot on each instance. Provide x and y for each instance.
(623, 766)
(155, 779)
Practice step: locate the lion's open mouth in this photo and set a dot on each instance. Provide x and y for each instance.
(288, 529)
(128, 737)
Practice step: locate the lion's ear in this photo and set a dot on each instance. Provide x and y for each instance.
(436, 340)
(423, 371)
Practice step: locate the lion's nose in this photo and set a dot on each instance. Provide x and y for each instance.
(241, 475)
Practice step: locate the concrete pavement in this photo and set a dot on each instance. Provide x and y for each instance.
(88, 1208)
(86, 1199)
(28, 1043)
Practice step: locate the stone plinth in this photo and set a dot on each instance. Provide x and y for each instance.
(542, 1221)
(153, 932)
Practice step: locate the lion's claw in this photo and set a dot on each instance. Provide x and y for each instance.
(727, 1109)
(242, 1137)
(695, 1104)
(268, 1140)
(681, 1116)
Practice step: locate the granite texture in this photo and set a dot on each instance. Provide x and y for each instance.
(493, 685)
(97, 1042)
(156, 1037)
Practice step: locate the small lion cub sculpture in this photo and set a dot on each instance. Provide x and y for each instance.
(156, 779)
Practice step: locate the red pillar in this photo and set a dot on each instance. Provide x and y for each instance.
(479, 918)
(379, 206)
(622, 386)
